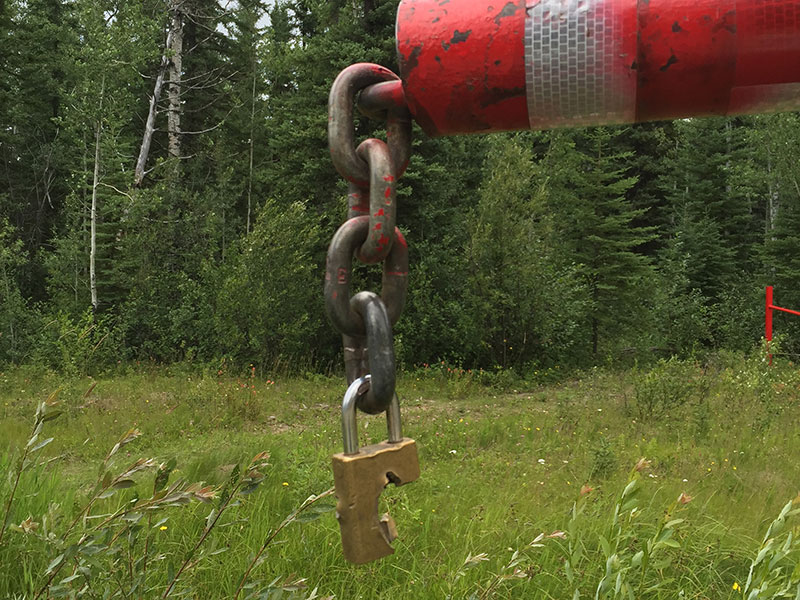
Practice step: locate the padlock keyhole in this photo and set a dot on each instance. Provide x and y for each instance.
(393, 478)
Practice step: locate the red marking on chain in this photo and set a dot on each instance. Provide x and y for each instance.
(335, 294)
(397, 273)
(378, 226)
(398, 236)
(389, 178)
(341, 276)
(380, 213)
(379, 70)
(383, 240)
(358, 182)
(388, 192)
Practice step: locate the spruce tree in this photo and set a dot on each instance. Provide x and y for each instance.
(587, 192)
(711, 219)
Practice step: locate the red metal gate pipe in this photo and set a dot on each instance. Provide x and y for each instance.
(492, 65)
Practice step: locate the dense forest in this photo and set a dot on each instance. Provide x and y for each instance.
(167, 194)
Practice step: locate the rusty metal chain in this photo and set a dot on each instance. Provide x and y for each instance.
(369, 234)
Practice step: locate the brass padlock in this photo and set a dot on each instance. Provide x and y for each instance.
(360, 475)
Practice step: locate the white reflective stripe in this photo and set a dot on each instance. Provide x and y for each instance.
(577, 70)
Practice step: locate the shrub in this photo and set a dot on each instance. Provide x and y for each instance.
(666, 386)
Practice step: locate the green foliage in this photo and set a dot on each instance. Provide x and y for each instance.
(774, 572)
(604, 460)
(266, 300)
(519, 518)
(529, 301)
(667, 386)
(527, 250)
(586, 192)
(79, 345)
(16, 317)
(117, 552)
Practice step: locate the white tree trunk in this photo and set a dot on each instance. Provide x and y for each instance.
(150, 125)
(93, 213)
(175, 50)
(93, 219)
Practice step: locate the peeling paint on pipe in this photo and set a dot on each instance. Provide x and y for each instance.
(473, 66)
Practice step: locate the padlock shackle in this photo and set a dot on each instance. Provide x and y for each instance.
(349, 431)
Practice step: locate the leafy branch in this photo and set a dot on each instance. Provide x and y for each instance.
(294, 516)
(45, 411)
(235, 486)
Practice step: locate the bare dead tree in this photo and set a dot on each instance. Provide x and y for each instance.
(175, 30)
(150, 124)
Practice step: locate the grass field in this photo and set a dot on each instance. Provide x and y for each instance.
(554, 455)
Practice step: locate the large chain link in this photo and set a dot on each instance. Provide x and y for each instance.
(371, 169)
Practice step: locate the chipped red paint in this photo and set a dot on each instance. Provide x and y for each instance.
(463, 66)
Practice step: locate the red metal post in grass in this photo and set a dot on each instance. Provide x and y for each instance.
(768, 322)
(770, 306)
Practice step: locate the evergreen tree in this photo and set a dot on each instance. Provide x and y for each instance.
(528, 298)
(33, 151)
(99, 118)
(269, 306)
(586, 191)
(712, 223)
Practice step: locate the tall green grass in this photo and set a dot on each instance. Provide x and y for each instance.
(527, 487)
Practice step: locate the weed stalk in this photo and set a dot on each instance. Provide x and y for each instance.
(45, 411)
(290, 519)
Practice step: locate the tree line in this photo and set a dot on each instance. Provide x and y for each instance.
(167, 194)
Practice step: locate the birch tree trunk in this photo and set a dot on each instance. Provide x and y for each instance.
(175, 50)
(93, 218)
(93, 213)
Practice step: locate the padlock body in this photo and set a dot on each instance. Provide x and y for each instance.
(359, 480)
